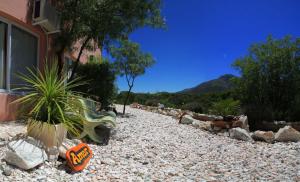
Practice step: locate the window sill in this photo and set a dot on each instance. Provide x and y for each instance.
(3, 91)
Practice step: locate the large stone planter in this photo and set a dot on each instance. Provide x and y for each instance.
(49, 135)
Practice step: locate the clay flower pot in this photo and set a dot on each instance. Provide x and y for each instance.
(49, 135)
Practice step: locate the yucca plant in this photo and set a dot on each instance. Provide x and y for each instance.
(49, 99)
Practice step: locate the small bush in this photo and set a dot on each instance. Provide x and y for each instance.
(226, 107)
(152, 102)
(193, 106)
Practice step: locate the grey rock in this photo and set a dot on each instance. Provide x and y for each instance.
(266, 136)
(25, 155)
(196, 123)
(2, 143)
(66, 145)
(244, 121)
(287, 134)
(173, 113)
(187, 119)
(41, 178)
(205, 125)
(280, 122)
(7, 171)
(160, 106)
(240, 134)
(218, 118)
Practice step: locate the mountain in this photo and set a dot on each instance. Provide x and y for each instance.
(221, 84)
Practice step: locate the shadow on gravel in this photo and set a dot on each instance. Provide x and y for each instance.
(127, 115)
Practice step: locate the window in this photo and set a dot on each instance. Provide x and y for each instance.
(3, 34)
(18, 51)
(23, 55)
(37, 9)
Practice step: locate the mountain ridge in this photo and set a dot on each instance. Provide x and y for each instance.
(221, 84)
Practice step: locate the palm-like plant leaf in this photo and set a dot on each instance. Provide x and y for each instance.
(49, 98)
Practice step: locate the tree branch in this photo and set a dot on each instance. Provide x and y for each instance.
(78, 58)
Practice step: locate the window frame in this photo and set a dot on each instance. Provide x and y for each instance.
(5, 57)
(9, 24)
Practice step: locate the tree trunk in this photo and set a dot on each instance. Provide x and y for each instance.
(78, 58)
(60, 62)
(127, 97)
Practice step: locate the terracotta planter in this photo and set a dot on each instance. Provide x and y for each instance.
(50, 135)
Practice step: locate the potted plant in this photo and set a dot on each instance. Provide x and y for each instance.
(50, 106)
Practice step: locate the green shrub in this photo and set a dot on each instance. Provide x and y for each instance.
(269, 87)
(120, 98)
(226, 107)
(152, 102)
(176, 100)
(100, 79)
(193, 106)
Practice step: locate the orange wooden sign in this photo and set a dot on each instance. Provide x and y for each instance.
(78, 157)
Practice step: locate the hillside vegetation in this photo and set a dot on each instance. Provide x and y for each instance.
(222, 84)
(205, 103)
(268, 89)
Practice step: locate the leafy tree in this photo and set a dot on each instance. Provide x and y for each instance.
(102, 22)
(131, 62)
(269, 87)
(94, 59)
(100, 79)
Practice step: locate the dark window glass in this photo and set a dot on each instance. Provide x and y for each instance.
(37, 9)
(3, 50)
(23, 55)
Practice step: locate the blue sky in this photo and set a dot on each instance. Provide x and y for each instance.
(204, 37)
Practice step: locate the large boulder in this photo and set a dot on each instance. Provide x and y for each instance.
(25, 154)
(287, 134)
(173, 113)
(205, 125)
(240, 134)
(242, 122)
(160, 106)
(186, 119)
(135, 105)
(266, 136)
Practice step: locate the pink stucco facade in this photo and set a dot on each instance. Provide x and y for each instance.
(19, 13)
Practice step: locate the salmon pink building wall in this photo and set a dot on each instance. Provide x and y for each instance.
(85, 54)
(19, 13)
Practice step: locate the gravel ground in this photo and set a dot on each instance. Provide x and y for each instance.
(153, 147)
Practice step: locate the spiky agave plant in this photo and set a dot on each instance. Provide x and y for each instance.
(49, 98)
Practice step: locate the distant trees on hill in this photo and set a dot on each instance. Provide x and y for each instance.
(197, 103)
